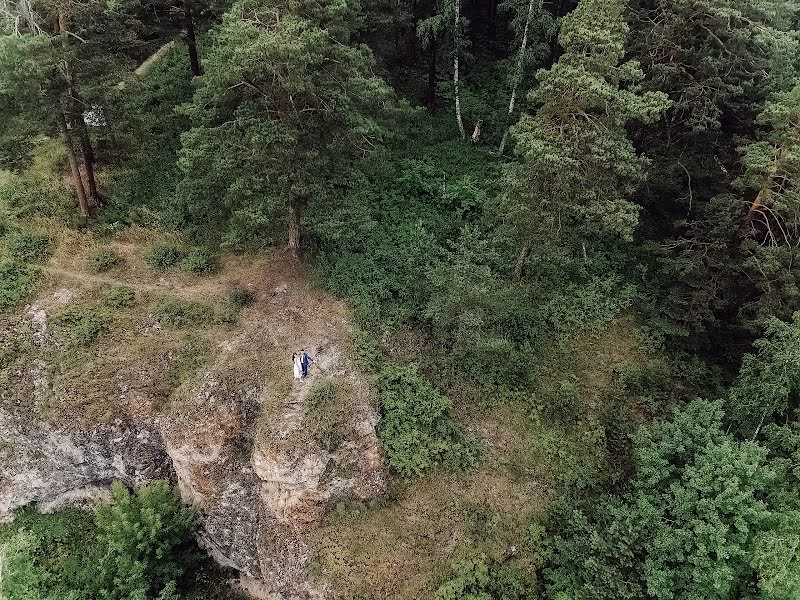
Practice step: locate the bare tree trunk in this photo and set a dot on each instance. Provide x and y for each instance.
(517, 77)
(522, 258)
(456, 51)
(191, 40)
(431, 100)
(88, 165)
(294, 225)
(83, 205)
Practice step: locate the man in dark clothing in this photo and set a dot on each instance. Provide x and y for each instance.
(305, 360)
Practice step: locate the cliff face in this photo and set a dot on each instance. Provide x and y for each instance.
(259, 454)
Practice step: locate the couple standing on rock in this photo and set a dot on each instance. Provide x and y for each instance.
(301, 361)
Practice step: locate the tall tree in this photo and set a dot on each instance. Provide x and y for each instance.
(529, 20)
(577, 162)
(286, 105)
(446, 24)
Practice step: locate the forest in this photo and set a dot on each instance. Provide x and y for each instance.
(577, 220)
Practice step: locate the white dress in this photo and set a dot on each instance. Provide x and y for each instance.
(298, 371)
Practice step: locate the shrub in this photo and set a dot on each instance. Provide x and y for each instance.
(81, 324)
(176, 312)
(118, 296)
(240, 296)
(138, 545)
(17, 280)
(103, 260)
(164, 256)
(200, 261)
(26, 246)
(146, 541)
(476, 579)
(417, 428)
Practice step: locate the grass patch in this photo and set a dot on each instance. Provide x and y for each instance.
(81, 324)
(163, 256)
(199, 261)
(117, 296)
(17, 282)
(326, 414)
(239, 297)
(191, 356)
(180, 313)
(26, 246)
(103, 260)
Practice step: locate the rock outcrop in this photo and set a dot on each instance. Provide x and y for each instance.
(260, 456)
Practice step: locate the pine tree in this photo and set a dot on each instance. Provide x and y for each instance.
(286, 105)
(577, 162)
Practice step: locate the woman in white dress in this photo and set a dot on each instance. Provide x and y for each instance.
(298, 368)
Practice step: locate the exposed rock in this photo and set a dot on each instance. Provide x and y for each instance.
(241, 439)
(55, 468)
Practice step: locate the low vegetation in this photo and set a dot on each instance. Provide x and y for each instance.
(103, 260)
(139, 544)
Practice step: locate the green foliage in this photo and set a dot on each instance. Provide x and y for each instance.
(696, 493)
(81, 324)
(180, 313)
(26, 246)
(200, 261)
(176, 312)
(577, 160)
(417, 428)
(268, 125)
(145, 539)
(40, 557)
(477, 579)
(769, 379)
(118, 296)
(103, 260)
(240, 296)
(162, 256)
(190, 356)
(137, 545)
(17, 281)
(36, 190)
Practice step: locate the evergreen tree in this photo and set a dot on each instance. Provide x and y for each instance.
(577, 163)
(285, 107)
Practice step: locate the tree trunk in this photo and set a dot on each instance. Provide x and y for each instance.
(522, 258)
(83, 205)
(191, 40)
(456, 51)
(555, 48)
(295, 206)
(517, 78)
(88, 159)
(431, 100)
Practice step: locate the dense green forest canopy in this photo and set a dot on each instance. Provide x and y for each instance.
(497, 179)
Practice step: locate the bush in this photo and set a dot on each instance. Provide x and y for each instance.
(175, 312)
(81, 324)
(417, 428)
(146, 541)
(478, 580)
(118, 296)
(164, 256)
(26, 246)
(17, 280)
(103, 260)
(240, 296)
(138, 545)
(199, 261)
